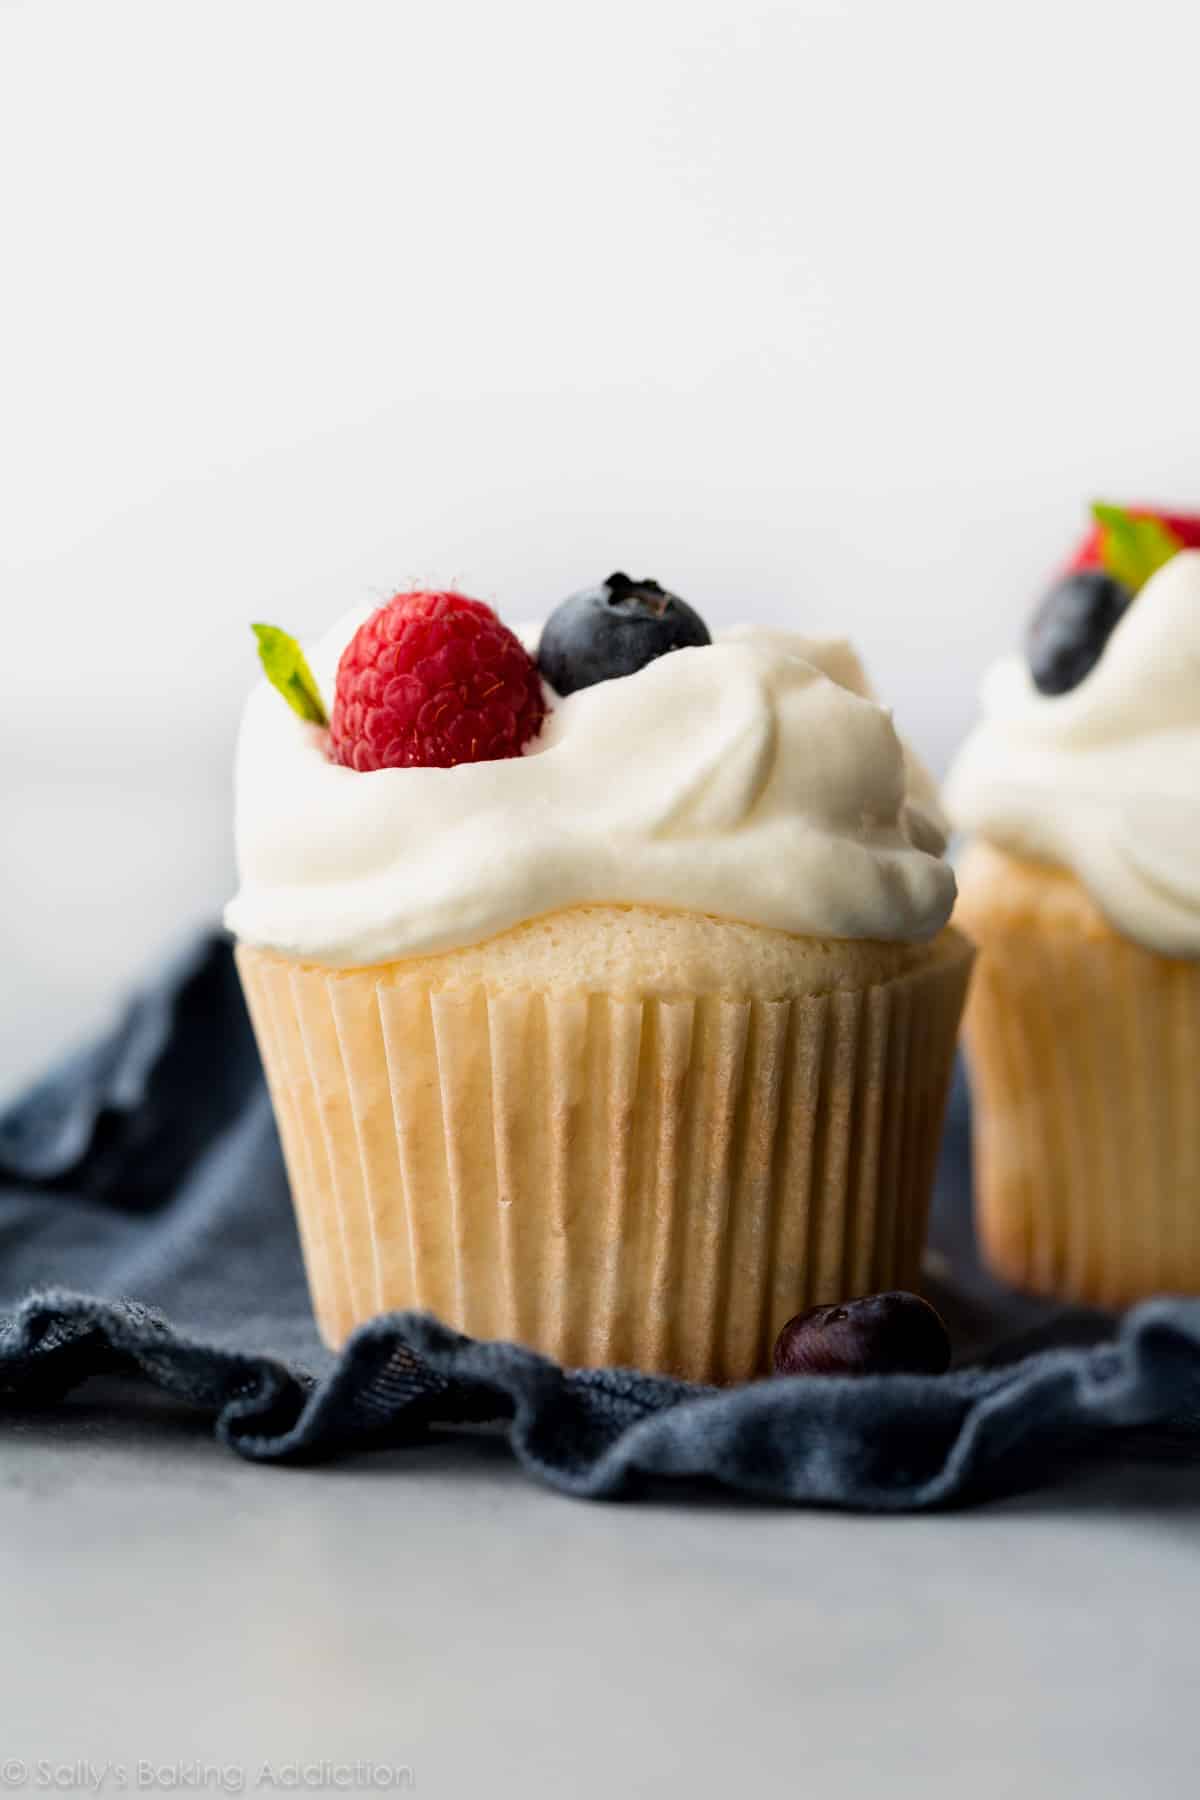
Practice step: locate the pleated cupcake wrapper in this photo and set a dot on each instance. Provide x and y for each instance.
(1085, 1060)
(659, 1183)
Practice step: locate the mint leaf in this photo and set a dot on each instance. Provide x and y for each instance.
(286, 669)
(1132, 549)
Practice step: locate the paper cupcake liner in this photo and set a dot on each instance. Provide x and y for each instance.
(650, 1182)
(1084, 1054)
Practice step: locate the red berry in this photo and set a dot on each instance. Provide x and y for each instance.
(1186, 527)
(432, 680)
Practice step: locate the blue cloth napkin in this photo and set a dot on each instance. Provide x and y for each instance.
(142, 1181)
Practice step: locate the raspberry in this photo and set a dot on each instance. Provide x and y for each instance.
(432, 680)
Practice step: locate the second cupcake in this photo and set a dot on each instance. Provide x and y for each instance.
(1082, 891)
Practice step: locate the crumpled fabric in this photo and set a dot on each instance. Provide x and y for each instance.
(146, 1233)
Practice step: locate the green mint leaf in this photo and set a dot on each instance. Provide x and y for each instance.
(1132, 549)
(286, 669)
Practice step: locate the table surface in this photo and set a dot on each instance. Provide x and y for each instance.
(432, 1609)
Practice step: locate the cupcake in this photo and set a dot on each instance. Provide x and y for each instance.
(602, 980)
(1081, 889)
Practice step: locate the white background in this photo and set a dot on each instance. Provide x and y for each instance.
(829, 313)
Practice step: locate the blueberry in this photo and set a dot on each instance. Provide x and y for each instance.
(883, 1334)
(614, 629)
(1070, 628)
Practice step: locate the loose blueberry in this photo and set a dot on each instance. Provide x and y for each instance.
(614, 629)
(883, 1334)
(1070, 628)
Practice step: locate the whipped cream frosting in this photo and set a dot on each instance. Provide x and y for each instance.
(1104, 781)
(754, 778)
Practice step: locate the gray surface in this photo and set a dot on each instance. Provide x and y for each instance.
(163, 1600)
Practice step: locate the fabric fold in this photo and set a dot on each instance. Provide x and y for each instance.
(880, 1444)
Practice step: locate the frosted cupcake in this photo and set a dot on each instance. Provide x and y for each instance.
(608, 1005)
(1082, 891)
